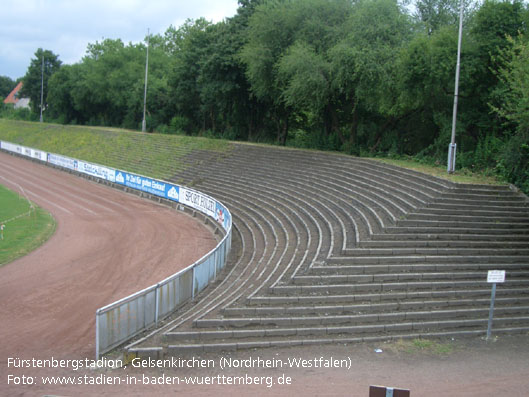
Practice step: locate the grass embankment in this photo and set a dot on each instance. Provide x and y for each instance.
(460, 176)
(27, 226)
(157, 155)
(154, 155)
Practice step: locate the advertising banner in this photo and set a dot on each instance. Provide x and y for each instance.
(39, 155)
(25, 151)
(148, 185)
(11, 147)
(198, 201)
(222, 216)
(97, 171)
(62, 161)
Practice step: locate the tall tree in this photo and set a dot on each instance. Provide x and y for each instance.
(279, 30)
(33, 78)
(6, 86)
(513, 99)
(365, 69)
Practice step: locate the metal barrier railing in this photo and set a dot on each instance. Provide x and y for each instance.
(118, 322)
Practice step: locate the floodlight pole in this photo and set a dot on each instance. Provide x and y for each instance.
(42, 87)
(452, 147)
(144, 124)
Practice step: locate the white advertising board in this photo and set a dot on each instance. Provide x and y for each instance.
(97, 171)
(39, 155)
(11, 147)
(198, 201)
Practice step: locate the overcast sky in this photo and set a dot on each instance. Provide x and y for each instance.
(66, 26)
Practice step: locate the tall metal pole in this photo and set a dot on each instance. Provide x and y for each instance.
(144, 124)
(491, 310)
(452, 147)
(42, 87)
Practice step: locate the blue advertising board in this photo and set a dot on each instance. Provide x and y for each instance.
(148, 185)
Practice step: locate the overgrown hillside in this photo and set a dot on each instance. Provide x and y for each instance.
(159, 155)
(155, 155)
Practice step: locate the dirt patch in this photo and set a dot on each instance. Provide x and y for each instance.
(473, 368)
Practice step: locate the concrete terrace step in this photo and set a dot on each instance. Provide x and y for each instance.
(462, 206)
(355, 319)
(457, 230)
(485, 195)
(438, 243)
(420, 216)
(187, 348)
(450, 294)
(434, 251)
(426, 259)
(360, 308)
(394, 277)
(516, 201)
(479, 238)
(410, 326)
(477, 211)
(382, 287)
(478, 267)
(469, 224)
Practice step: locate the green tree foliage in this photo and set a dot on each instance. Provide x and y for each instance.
(36, 74)
(6, 86)
(514, 107)
(363, 76)
(107, 86)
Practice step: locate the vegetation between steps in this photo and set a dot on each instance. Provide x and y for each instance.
(155, 155)
(160, 155)
(421, 346)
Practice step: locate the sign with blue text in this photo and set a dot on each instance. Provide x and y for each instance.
(148, 185)
(97, 170)
(62, 161)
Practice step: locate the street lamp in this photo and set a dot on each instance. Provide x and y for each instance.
(452, 147)
(42, 87)
(143, 124)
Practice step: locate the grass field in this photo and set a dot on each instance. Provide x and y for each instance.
(25, 227)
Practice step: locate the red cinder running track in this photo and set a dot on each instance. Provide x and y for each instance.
(108, 244)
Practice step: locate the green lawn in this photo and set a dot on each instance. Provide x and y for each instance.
(26, 226)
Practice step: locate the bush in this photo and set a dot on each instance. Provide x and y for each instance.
(8, 111)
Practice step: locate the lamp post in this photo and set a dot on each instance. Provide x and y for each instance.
(144, 124)
(42, 87)
(452, 147)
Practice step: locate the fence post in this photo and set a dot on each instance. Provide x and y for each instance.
(215, 258)
(193, 283)
(156, 304)
(97, 334)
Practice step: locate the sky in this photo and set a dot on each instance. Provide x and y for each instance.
(66, 27)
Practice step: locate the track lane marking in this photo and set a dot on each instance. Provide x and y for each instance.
(38, 196)
(59, 195)
(73, 188)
